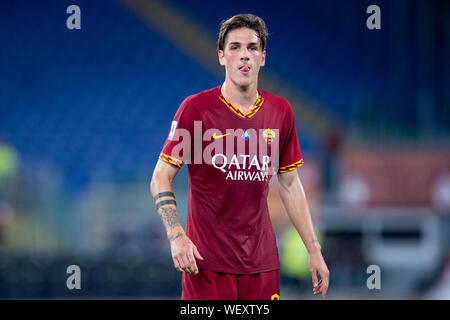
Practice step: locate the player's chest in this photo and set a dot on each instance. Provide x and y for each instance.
(236, 147)
(221, 131)
(218, 123)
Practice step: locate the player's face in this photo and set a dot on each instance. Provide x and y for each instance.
(242, 56)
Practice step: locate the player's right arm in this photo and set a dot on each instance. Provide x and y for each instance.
(182, 248)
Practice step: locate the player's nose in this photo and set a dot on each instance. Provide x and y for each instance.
(245, 57)
(245, 54)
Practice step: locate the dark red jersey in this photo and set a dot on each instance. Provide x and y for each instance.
(231, 157)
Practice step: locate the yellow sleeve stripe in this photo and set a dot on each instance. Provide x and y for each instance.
(291, 166)
(171, 160)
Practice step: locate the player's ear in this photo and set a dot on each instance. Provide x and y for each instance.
(263, 58)
(221, 55)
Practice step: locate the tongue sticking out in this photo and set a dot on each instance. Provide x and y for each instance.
(245, 69)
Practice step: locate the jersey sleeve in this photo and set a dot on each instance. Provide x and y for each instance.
(290, 154)
(177, 147)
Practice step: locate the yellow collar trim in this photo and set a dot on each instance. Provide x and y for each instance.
(236, 110)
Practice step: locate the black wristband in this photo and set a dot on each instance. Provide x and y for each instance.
(164, 202)
(163, 194)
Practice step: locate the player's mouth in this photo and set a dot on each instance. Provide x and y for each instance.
(245, 69)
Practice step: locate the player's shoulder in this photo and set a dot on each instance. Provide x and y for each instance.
(198, 99)
(276, 101)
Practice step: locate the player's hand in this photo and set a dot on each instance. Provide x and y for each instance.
(183, 253)
(317, 267)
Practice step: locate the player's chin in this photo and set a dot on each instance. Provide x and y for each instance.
(245, 81)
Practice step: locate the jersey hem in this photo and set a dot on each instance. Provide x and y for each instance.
(234, 271)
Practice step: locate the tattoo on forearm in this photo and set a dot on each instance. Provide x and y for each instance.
(165, 202)
(169, 217)
(163, 194)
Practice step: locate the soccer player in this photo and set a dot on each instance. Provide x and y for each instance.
(234, 138)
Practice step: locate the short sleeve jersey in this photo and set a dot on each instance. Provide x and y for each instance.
(231, 157)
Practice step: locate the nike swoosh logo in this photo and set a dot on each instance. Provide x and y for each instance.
(221, 136)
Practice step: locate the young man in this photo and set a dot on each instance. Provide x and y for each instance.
(234, 138)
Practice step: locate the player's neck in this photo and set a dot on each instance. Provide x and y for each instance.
(241, 97)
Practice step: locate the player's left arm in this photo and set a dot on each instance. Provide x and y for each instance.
(294, 200)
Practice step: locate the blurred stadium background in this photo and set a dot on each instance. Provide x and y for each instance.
(84, 114)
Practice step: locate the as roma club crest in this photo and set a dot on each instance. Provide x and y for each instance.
(268, 135)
